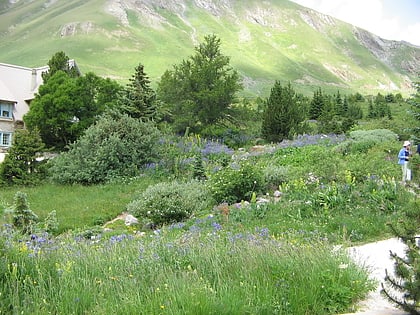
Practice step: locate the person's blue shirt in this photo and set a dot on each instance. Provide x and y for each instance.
(403, 156)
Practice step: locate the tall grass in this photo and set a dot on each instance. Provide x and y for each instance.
(207, 271)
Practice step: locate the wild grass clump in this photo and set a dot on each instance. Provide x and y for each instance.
(201, 271)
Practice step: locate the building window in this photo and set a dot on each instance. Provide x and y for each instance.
(6, 110)
(5, 139)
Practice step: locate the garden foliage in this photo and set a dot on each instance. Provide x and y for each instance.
(403, 289)
(236, 182)
(21, 165)
(24, 219)
(170, 202)
(116, 146)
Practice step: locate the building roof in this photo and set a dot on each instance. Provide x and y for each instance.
(5, 94)
(19, 84)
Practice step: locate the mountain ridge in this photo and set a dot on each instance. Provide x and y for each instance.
(266, 41)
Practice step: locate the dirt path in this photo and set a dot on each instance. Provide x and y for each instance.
(375, 256)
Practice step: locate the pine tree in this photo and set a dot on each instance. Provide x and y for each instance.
(283, 114)
(345, 106)
(20, 165)
(317, 104)
(339, 104)
(140, 99)
(414, 101)
(59, 61)
(23, 218)
(327, 121)
(407, 269)
(201, 90)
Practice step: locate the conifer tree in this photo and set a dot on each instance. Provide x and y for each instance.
(140, 99)
(406, 281)
(200, 91)
(327, 121)
(59, 61)
(414, 101)
(20, 165)
(283, 114)
(317, 104)
(339, 104)
(23, 218)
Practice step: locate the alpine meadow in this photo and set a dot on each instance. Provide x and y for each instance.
(203, 157)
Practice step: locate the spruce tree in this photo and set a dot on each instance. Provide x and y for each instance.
(24, 218)
(140, 99)
(317, 104)
(20, 165)
(59, 61)
(283, 114)
(406, 281)
(339, 104)
(200, 91)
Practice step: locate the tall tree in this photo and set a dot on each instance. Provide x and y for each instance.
(139, 100)
(317, 104)
(201, 89)
(283, 114)
(414, 101)
(64, 106)
(59, 61)
(339, 104)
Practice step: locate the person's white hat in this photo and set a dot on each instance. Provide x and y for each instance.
(406, 143)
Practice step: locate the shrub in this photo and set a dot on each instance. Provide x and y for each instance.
(360, 141)
(20, 165)
(23, 218)
(275, 175)
(234, 184)
(113, 147)
(170, 202)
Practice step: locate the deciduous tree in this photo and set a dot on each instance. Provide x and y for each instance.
(64, 106)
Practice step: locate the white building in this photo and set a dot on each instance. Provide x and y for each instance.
(18, 86)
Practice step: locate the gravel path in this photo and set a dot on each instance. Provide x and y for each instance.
(375, 256)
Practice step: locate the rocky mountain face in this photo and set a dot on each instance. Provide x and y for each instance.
(266, 41)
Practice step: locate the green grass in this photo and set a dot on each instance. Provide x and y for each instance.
(201, 272)
(78, 207)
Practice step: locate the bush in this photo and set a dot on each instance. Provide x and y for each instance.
(20, 165)
(275, 175)
(234, 184)
(113, 147)
(360, 141)
(24, 218)
(170, 202)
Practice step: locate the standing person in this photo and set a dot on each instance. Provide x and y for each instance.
(403, 158)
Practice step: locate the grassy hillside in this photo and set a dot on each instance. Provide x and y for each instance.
(267, 41)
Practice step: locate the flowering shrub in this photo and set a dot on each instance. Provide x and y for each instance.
(170, 202)
(236, 182)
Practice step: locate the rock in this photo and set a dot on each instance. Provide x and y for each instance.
(277, 194)
(131, 220)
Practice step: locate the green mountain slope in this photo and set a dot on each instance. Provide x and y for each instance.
(266, 40)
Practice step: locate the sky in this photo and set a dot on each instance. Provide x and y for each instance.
(389, 19)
